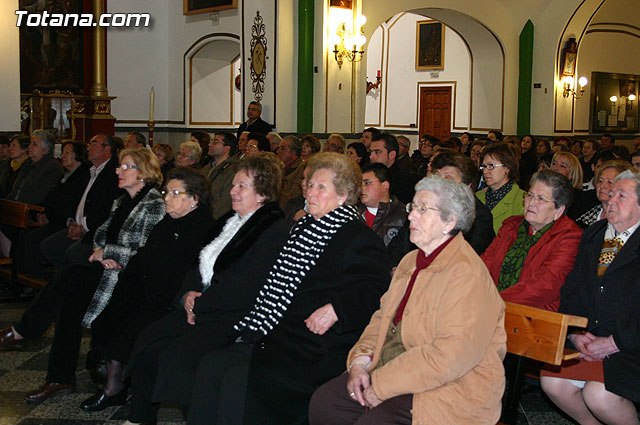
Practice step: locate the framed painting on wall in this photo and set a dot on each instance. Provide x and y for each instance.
(429, 45)
(193, 7)
(342, 4)
(614, 103)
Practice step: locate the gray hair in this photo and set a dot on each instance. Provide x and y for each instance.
(631, 175)
(454, 200)
(194, 151)
(339, 137)
(561, 188)
(276, 135)
(47, 139)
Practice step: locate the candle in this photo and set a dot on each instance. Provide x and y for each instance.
(378, 75)
(152, 99)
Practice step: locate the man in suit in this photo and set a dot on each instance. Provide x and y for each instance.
(220, 171)
(74, 244)
(254, 124)
(289, 153)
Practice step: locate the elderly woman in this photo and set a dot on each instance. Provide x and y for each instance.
(214, 296)
(502, 195)
(320, 294)
(148, 285)
(310, 145)
(604, 286)
(604, 178)
(76, 295)
(532, 254)
(189, 155)
(433, 352)
(164, 152)
(257, 143)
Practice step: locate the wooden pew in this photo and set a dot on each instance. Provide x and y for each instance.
(18, 214)
(535, 334)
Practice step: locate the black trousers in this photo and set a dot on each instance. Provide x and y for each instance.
(332, 405)
(64, 300)
(61, 251)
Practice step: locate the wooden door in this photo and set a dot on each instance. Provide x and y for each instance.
(435, 112)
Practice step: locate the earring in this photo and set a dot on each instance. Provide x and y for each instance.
(193, 205)
(141, 180)
(444, 232)
(340, 203)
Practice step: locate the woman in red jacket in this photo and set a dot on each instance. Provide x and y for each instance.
(532, 254)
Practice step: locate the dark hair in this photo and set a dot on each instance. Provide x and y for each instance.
(312, 141)
(533, 139)
(4, 139)
(563, 148)
(195, 183)
(115, 145)
(266, 175)
(621, 152)
(202, 137)
(390, 142)
(263, 142)
(545, 142)
(253, 102)
(561, 188)
(296, 144)
(594, 143)
(545, 158)
(498, 134)
(374, 132)
(503, 151)
(465, 166)
(610, 136)
(574, 141)
(140, 139)
(563, 139)
(230, 140)
(79, 151)
(470, 137)
(22, 140)
(381, 171)
(456, 141)
(360, 148)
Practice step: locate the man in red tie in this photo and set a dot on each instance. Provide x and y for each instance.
(382, 212)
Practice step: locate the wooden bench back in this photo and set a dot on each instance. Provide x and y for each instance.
(539, 334)
(16, 214)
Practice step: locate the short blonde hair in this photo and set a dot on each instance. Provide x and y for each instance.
(147, 163)
(575, 169)
(347, 177)
(194, 150)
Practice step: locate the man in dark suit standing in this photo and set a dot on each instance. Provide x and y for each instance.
(74, 244)
(254, 124)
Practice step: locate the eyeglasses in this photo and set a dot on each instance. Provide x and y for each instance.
(532, 196)
(173, 193)
(490, 166)
(420, 209)
(368, 182)
(252, 145)
(125, 167)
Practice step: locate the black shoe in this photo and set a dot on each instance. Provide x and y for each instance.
(101, 401)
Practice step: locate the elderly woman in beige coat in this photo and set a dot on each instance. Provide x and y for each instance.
(432, 353)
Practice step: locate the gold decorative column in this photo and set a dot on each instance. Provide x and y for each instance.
(99, 85)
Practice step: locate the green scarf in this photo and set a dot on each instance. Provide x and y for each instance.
(517, 254)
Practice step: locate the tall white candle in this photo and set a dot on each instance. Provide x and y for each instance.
(152, 100)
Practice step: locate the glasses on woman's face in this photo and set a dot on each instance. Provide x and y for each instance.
(490, 166)
(125, 167)
(530, 196)
(420, 209)
(173, 193)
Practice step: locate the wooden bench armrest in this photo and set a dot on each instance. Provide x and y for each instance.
(569, 354)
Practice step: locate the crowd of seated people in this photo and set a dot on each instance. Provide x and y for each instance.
(272, 267)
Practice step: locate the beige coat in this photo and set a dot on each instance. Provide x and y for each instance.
(453, 333)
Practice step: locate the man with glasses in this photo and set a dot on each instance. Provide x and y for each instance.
(381, 211)
(74, 244)
(220, 171)
(254, 123)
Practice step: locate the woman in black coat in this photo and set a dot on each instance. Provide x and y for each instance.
(59, 206)
(148, 286)
(604, 286)
(215, 295)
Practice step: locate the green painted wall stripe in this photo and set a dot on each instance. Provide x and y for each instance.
(525, 80)
(305, 66)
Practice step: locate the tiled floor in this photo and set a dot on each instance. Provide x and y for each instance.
(23, 370)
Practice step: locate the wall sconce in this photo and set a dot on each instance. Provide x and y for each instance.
(629, 101)
(371, 86)
(355, 40)
(568, 86)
